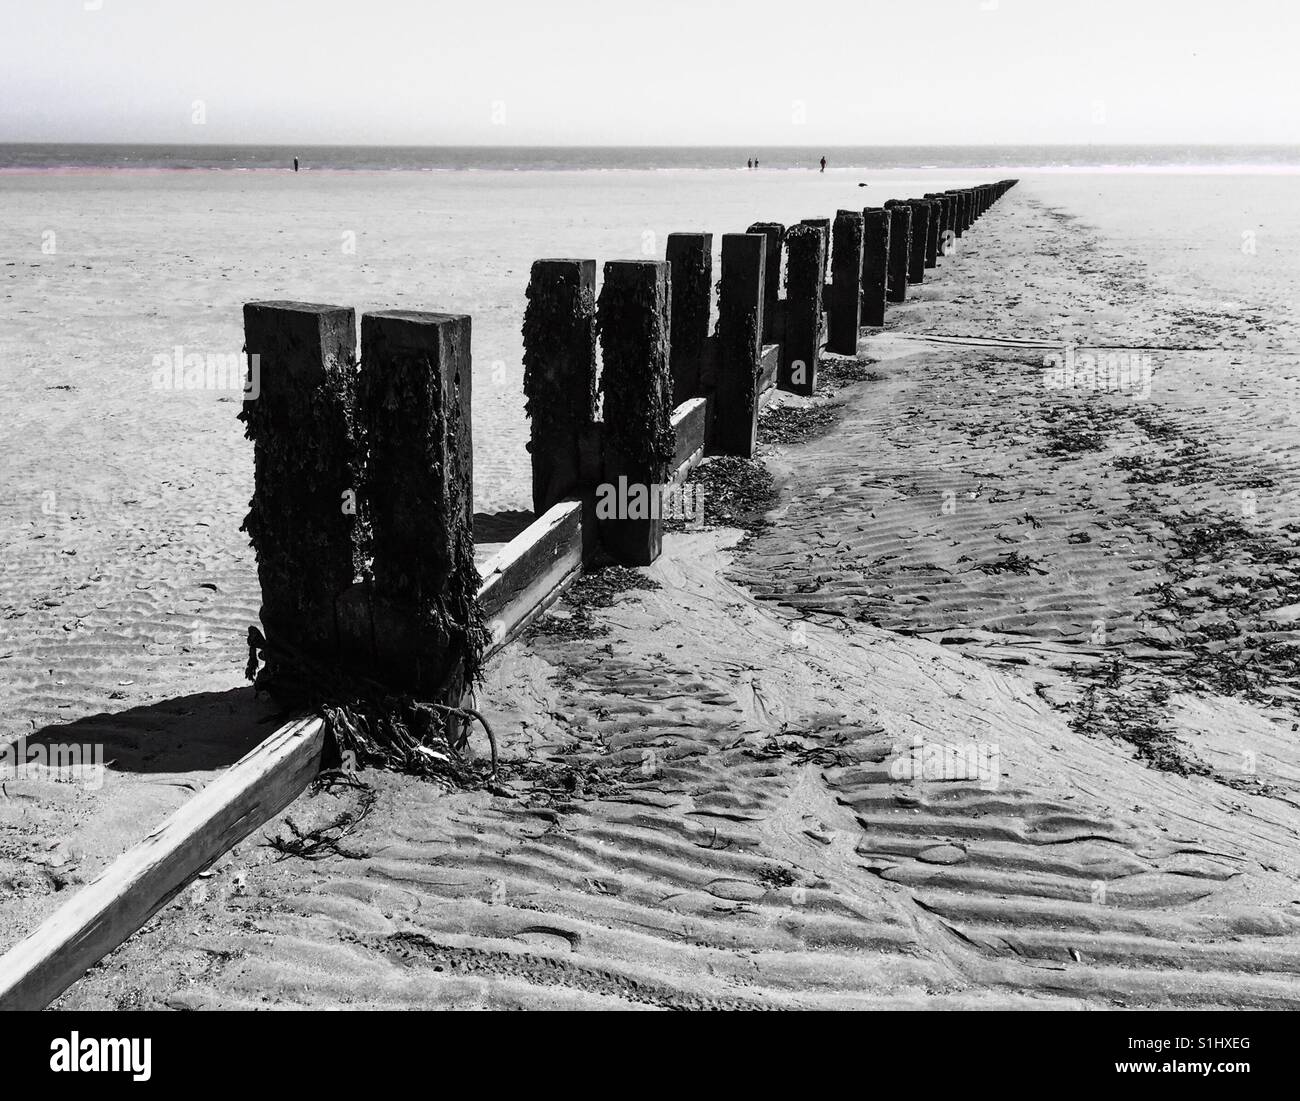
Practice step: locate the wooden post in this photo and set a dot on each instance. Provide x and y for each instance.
(413, 402)
(920, 233)
(900, 248)
(824, 224)
(560, 376)
(875, 265)
(775, 234)
(690, 261)
(916, 237)
(932, 233)
(306, 462)
(638, 442)
(945, 222)
(740, 342)
(846, 283)
(805, 261)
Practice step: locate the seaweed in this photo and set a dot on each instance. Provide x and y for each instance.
(419, 489)
(737, 492)
(595, 589)
(559, 350)
(797, 424)
(632, 322)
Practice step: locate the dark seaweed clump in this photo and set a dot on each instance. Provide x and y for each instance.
(595, 589)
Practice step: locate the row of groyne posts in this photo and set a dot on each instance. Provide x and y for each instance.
(362, 512)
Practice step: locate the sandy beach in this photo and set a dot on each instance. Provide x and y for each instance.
(1096, 589)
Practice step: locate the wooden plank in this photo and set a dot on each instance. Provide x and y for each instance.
(531, 571)
(768, 366)
(135, 886)
(690, 424)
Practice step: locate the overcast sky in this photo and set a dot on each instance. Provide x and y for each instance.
(654, 72)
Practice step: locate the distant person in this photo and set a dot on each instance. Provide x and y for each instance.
(823, 164)
(755, 162)
(749, 163)
(295, 164)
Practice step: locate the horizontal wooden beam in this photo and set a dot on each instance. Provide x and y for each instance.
(690, 424)
(765, 384)
(531, 571)
(137, 884)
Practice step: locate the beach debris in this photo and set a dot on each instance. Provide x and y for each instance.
(1011, 562)
(796, 423)
(326, 840)
(737, 492)
(1073, 429)
(368, 724)
(597, 588)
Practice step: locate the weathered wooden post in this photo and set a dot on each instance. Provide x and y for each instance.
(306, 462)
(945, 221)
(690, 261)
(740, 343)
(633, 319)
(775, 234)
(916, 242)
(942, 201)
(932, 234)
(900, 249)
(964, 201)
(805, 261)
(824, 224)
(875, 265)
(846, 283)
(560, 378)
(920, 233)
(959, 199)
(414, 405)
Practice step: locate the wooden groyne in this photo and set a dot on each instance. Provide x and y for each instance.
(362, 516)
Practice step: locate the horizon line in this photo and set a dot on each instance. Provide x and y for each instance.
(684, 145)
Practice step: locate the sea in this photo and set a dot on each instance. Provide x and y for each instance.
(451, 158)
